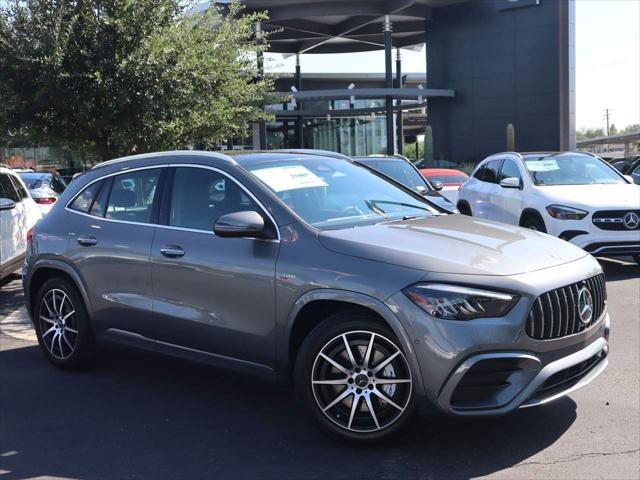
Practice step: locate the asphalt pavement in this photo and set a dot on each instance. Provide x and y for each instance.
(139, 415)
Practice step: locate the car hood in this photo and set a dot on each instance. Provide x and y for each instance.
(594, 197)
(453, 244)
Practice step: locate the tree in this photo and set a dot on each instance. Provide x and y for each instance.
(128, 76)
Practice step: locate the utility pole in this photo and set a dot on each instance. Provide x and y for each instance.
(607, 116)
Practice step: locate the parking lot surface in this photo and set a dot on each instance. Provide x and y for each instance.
(144, 416)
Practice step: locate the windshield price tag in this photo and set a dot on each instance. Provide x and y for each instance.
(290, 177)
(542, 165)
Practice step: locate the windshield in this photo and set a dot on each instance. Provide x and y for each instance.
(35, 180)
(331, 193)
(399, 170)
(570, 169)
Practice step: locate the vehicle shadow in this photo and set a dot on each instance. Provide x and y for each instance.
(140, 415)
(619, 269)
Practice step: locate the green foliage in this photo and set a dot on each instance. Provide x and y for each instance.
(410, 150)
(127, 76)
(511, 138)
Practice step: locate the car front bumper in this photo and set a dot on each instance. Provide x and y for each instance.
(496, 354)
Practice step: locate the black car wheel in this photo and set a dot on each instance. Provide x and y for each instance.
(534, 223)
(62, 324)
(354, 378)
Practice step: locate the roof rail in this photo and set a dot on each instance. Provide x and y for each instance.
(162, 154)
(310, 151)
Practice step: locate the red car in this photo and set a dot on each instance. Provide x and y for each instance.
(451, 180)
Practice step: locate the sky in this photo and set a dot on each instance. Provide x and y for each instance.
(607, 62)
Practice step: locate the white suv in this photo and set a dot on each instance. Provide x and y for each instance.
(18, 214)
(575, 196)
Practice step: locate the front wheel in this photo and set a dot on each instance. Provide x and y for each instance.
(534, 223)
(354, 378)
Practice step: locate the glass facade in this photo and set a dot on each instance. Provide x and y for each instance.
(350, 135)
(55, 159)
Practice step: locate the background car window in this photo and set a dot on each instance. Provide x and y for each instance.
(58, 185)
(7, 190)
(510, 170)
(479, 174)
(491, 171)
(20, 190)
(83, 202)
(132, 196)
(201, 196)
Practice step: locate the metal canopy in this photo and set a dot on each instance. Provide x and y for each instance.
(316, 26)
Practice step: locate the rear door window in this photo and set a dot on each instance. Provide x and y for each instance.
(133, 195)
(82, 203)
(7, 190)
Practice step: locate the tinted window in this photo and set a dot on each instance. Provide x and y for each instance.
(82, 202)
(570, 169)
(17, 184)
(58, 185)
(97, 209)
(399, 170)
(201, 196)
(491, 171)
(479, 174)
(509, 170)
(132, 196)
(7, 190)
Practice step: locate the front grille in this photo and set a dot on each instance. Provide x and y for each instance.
(555, 314)
(614, 220)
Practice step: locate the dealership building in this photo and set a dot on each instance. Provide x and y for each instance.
(489, 64)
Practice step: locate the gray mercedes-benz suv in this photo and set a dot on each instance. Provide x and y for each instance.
(311, 268)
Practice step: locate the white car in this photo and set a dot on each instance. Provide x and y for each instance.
(18, 214)
(44, 187)
(575, 196)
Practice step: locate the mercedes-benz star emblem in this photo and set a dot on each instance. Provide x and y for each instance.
(631, 220)
(585, 305)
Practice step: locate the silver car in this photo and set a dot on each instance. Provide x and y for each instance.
(311, 269)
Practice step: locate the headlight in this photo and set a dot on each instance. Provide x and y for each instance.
(453, 302)
(566, 213)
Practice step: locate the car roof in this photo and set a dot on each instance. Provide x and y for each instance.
(442, 171)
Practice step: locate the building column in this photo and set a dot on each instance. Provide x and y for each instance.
(262, 125)
(388, 70)
(299, 120)
(399, 126)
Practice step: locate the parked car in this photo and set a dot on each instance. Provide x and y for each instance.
(450, 179)
(634, 171)
(575, 196)
(403, 171)
(18, 214)
(624, 165)
(44, 187)
(314, 270)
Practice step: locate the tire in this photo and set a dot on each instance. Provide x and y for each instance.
(464, 209)
(533, 222)
(331, 405)
(62, 325)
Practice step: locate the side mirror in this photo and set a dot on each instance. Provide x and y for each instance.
(629, 178)
(510, 182)
(437, 185)
(240, 224)
(6, 204)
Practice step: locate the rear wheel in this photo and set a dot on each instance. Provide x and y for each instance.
(62, 324)
(533, 222)
(354, 378)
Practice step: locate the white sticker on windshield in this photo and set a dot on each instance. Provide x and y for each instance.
(290, 177)
(542, 165)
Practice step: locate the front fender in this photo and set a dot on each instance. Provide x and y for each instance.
(356, 299)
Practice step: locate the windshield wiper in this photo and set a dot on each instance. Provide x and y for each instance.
(389, 202)
(375, 209)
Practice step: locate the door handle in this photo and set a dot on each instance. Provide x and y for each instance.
(87, 240)
(172, 251)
